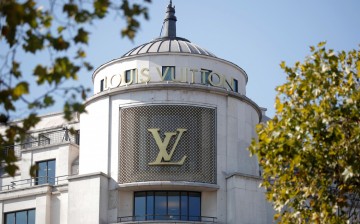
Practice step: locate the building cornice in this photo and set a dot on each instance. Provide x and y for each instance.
(109, 63)
(175, 86)
(168, 185)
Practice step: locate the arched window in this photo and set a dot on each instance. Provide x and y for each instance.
(167, 205)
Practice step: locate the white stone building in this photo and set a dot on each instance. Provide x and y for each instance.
(164, 141)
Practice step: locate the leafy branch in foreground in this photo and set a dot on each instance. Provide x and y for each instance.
(59, 29)
(310, 150)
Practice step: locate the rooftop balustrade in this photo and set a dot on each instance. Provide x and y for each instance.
(166, 219)
(41, 140)
(36, 181)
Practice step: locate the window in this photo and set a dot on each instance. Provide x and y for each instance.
(167, 205)
(102, 85)
(46, 172)
(168, 73)
(129, 76)
(205, 73)
(20, 217)
(233, 85)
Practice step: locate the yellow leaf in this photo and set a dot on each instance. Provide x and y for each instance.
(278, 105)
(21, 88)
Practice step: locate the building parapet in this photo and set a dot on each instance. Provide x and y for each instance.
(41, 140)
(36, 181)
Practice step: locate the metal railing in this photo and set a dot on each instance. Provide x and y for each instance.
(171, 218)
(36, 181)
(42, 139)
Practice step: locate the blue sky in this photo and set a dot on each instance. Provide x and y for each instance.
(256, 35)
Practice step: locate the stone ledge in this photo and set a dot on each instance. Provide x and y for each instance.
(25, 192)
(168, 185)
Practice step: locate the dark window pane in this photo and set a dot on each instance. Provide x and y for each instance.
(205, 76)
(194, 206)
(51, 172)
(129, 76)
(174, 205)
(10, 218)
(41, 173)
(140, 203)
(236, 85)
(31, 216)
(168, 72)
(101, 85)
(184, 206)
(160, 205)
(46, 172)
(150, 206)
(167, 205)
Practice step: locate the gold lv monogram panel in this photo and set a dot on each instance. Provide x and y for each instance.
(163, 157)
(167, 143)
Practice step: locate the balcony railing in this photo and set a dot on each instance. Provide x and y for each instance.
(17, 184)
(42, 139)
(169, 218)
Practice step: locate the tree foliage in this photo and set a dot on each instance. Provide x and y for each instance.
(310, 150)
(58, 28)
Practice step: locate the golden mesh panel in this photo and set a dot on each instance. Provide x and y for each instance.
(138, 147)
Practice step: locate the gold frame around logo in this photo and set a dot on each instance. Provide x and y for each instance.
(164, 158)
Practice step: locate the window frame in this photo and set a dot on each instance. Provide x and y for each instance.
(27, 216)
(180, 216)
(168, 77)
(132, 75)
(48, 179)
(102, 85)
(207, 72)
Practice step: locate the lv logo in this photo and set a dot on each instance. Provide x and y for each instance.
(163, 157)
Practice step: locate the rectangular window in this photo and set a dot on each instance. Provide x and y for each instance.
(168, 73)
(233, 85)
(140, 205)
(20, 217)
(45, 172)
(205, 76)
(130, 76)
(102, 85)
(167, 205)
(160, 205)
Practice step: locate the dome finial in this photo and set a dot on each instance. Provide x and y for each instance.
(170, 21)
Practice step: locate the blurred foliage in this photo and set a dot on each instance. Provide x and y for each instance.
(56, 27)
(310, 150)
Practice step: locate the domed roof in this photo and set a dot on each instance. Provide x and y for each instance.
(169, 42)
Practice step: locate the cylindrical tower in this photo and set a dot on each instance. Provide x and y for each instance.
(168, 126)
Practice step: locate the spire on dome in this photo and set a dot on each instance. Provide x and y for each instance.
(170, 22)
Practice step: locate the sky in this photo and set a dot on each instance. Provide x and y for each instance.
(255, 35)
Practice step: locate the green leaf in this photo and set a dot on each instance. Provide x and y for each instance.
(33, 42)
(60, 29)
(321, 44)
(71, 9)
(59, 43)
(33, 170)
(48, 101)
(41, 74)
(82, 36)
(15, 69)
(282, 65)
